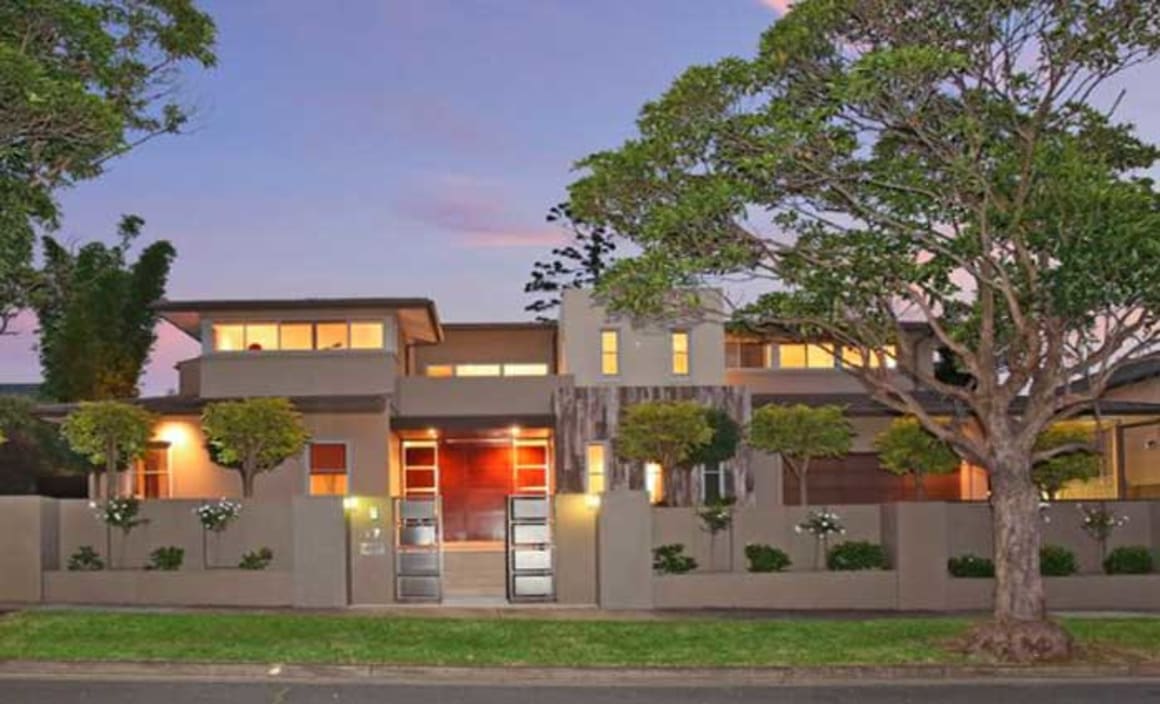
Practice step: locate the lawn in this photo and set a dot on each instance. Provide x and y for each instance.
(341, 639)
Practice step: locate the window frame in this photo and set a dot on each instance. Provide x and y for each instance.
(806, 347)
(605, 354)
(675, 354)
(139, 472)
(308, 464)
(314, 324)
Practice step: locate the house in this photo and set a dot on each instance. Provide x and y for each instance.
(401, 403)
(511, 426)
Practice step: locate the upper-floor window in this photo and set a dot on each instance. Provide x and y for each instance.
(680, 345)
(609, 352)
(805, 356)
(854, 357)
(748, 354)
(297, 336)
(492, 369)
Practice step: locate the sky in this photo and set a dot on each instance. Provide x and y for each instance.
(399, 147)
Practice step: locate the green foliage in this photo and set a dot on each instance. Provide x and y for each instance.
(97, 317)
(765, 558)
(166, 559)
(722, 445)
(908, 448)
(717, 515)
(257, 560)
(123, 513)
(1057, 561)
(109, 434)
(579, 264)
(671, 559)
(34, 448)
(856, 555)
(1129, 559)
(254, 435)
(1079, 465)
(970, 566)
(85, 559)
(801, 433)
(81, 82)
(665, 432)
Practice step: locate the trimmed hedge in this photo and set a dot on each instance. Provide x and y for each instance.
(969, 565)
(1057, 561)
(766, 558)
(671, 559)
(856, 555)
(1130, 559)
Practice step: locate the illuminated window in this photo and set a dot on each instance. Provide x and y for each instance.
(477, 370)
(852, 357)
(654, 482)
(332, 336)
(525, 370)
(261, 336)
(366, 336)
(440, 371)
(680, 344)
(795, 356)
(296, 336)
(328, 468)
(229, 338)
(595, 467)
(609, 352)
(745, 354)
(151, 480)
(420, 468)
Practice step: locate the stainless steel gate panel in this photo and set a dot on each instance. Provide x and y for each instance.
(418, 549)
(530, 553)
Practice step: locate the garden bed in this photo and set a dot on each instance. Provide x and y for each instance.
(869, 590)
(219, 587)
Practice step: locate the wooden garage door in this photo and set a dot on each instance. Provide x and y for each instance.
(857, 479)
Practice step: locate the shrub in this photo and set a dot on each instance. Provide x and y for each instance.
(671, 559)
(856, 555)
(970, 566)
(1130, 559)
(257, 560)
(216, 517)
(765, 558)
(1056, 561)
(85, 559)
(166, 559)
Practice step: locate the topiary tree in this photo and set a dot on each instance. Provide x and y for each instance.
(668, 433)
(111, 435)
(908, 448)
(253, 436)
(1080, 463)
(801, 433)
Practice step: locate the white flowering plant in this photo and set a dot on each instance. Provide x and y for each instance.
(123, 513)
(217, 516)
(1099, 523)
(821, 524)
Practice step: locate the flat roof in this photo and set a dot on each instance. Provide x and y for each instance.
(186, 315)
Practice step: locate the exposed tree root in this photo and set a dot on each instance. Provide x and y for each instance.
(1022, 642)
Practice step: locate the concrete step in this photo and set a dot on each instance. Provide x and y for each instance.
(481, 573)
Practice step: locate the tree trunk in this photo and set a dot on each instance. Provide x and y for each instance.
(1020, 630)
(919, 486)
(248, 484)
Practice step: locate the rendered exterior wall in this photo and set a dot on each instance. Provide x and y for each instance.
(347, 372)
(482, 344)
(645, 352)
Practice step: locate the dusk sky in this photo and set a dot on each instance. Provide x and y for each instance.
(401, 147)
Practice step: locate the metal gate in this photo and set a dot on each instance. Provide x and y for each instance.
(530, 555)
(418, 549)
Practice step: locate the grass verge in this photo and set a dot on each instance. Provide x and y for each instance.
(340, 639)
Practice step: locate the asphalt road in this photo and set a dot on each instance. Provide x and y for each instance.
(187, 692)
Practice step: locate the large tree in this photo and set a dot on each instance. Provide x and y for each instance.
(97, 322)
(81, 81)
(937, 160)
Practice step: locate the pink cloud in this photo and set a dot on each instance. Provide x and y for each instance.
(473, 212)
(779, 6)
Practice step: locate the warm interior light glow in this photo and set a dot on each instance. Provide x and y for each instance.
(173, 433)
(654, 482)
(592, 500)
(432, 433)
(515, 430)
(350, 503)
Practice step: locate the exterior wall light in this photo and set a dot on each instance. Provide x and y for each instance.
(350, 503)
(592, 501)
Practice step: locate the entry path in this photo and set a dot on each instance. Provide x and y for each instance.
(76, 691)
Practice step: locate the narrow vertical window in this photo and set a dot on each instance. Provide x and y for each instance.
(654, 482)
(328, 469)
(610, 352)
(680, 345)
(153, 473)
(595, 468)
